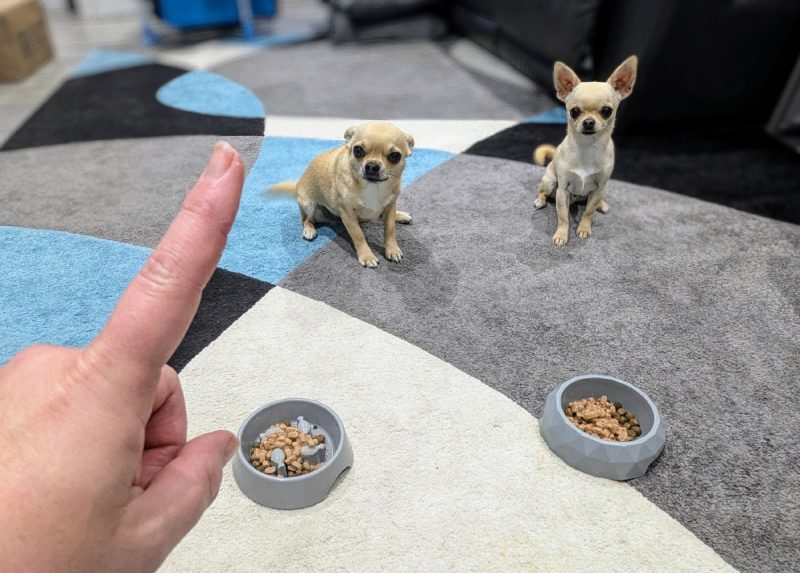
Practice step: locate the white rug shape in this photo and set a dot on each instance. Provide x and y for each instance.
(449, 475)
(454, 135)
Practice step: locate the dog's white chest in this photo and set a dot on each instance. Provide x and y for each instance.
(582, 181)
(374, 200)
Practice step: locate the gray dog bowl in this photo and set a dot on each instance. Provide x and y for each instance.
(291, 492)
(595, 456)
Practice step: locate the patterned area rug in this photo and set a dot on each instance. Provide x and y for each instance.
(448, 355)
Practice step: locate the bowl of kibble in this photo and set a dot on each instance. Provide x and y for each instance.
(603, 426)
(291, 452)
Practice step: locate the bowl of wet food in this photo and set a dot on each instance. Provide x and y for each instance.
(291, 452)
(603, 426)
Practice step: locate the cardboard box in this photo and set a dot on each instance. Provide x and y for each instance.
(24, 38)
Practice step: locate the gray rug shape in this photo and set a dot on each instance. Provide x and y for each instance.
(125, 190)
(405, 80)
(695, 303)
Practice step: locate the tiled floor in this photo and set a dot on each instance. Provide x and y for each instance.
(73, 38)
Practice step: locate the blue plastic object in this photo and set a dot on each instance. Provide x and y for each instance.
(208, 13)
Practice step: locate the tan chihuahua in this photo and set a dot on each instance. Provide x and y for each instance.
(357, 181)
(582, 164)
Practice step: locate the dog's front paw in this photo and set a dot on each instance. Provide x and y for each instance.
(309, 233)
(393, 253)
(540, 201)
(368, 259)
(402, 217)
(560, 238)
(584, 230)
(603, 207)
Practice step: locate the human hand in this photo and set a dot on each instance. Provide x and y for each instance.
(95, 469)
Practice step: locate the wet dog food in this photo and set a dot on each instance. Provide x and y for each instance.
(604, 419)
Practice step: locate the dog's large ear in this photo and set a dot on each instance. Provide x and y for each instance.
(624, 77)
(564, 79)
(348, 135)
(409, 144)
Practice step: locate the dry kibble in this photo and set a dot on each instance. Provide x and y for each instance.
(290, 440)
(604, 419)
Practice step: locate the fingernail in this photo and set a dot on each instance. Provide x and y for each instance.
(220, 161)
(233, 443)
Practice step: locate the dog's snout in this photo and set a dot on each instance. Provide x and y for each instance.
(588, 123)
(372, 168)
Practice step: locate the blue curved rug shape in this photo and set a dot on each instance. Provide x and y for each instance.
(59, 288)
(211, 94)
(99, 61)
(265, 241)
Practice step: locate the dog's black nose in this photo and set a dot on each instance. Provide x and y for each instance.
(372, 168)
(588, 123)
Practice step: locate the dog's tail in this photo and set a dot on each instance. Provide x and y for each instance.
(543, 154)
(284, 188)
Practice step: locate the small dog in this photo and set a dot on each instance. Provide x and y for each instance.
(582, 164)
(358, 181)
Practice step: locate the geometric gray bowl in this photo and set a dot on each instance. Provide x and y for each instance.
(595, 456)
(291, 492)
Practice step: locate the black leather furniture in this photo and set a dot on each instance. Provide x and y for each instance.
(702, 63)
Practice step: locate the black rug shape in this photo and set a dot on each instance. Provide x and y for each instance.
(226, 297)
(744, 168)
(120, 104)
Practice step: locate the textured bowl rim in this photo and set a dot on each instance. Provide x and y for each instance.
(656, 416)
(272, 479)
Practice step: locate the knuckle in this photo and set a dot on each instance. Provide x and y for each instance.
(162, 272)
(203, 212)
(170, 376)
(214, 474)
(33, 353)
(203, 485)
(42, 356)
(198, 206)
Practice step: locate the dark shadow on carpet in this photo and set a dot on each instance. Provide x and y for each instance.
(226, 297)
(745, 169)
(120, 104)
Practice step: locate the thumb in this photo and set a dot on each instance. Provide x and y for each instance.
(178, 495)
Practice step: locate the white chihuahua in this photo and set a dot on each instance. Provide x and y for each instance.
(582, 165)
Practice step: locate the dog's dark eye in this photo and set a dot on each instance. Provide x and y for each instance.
(575, 112)
(395, 157)
(606, 111)
(358, 152)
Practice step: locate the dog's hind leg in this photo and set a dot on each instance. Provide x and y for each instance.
(546, 187)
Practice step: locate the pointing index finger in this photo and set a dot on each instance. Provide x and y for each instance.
(157, 308)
